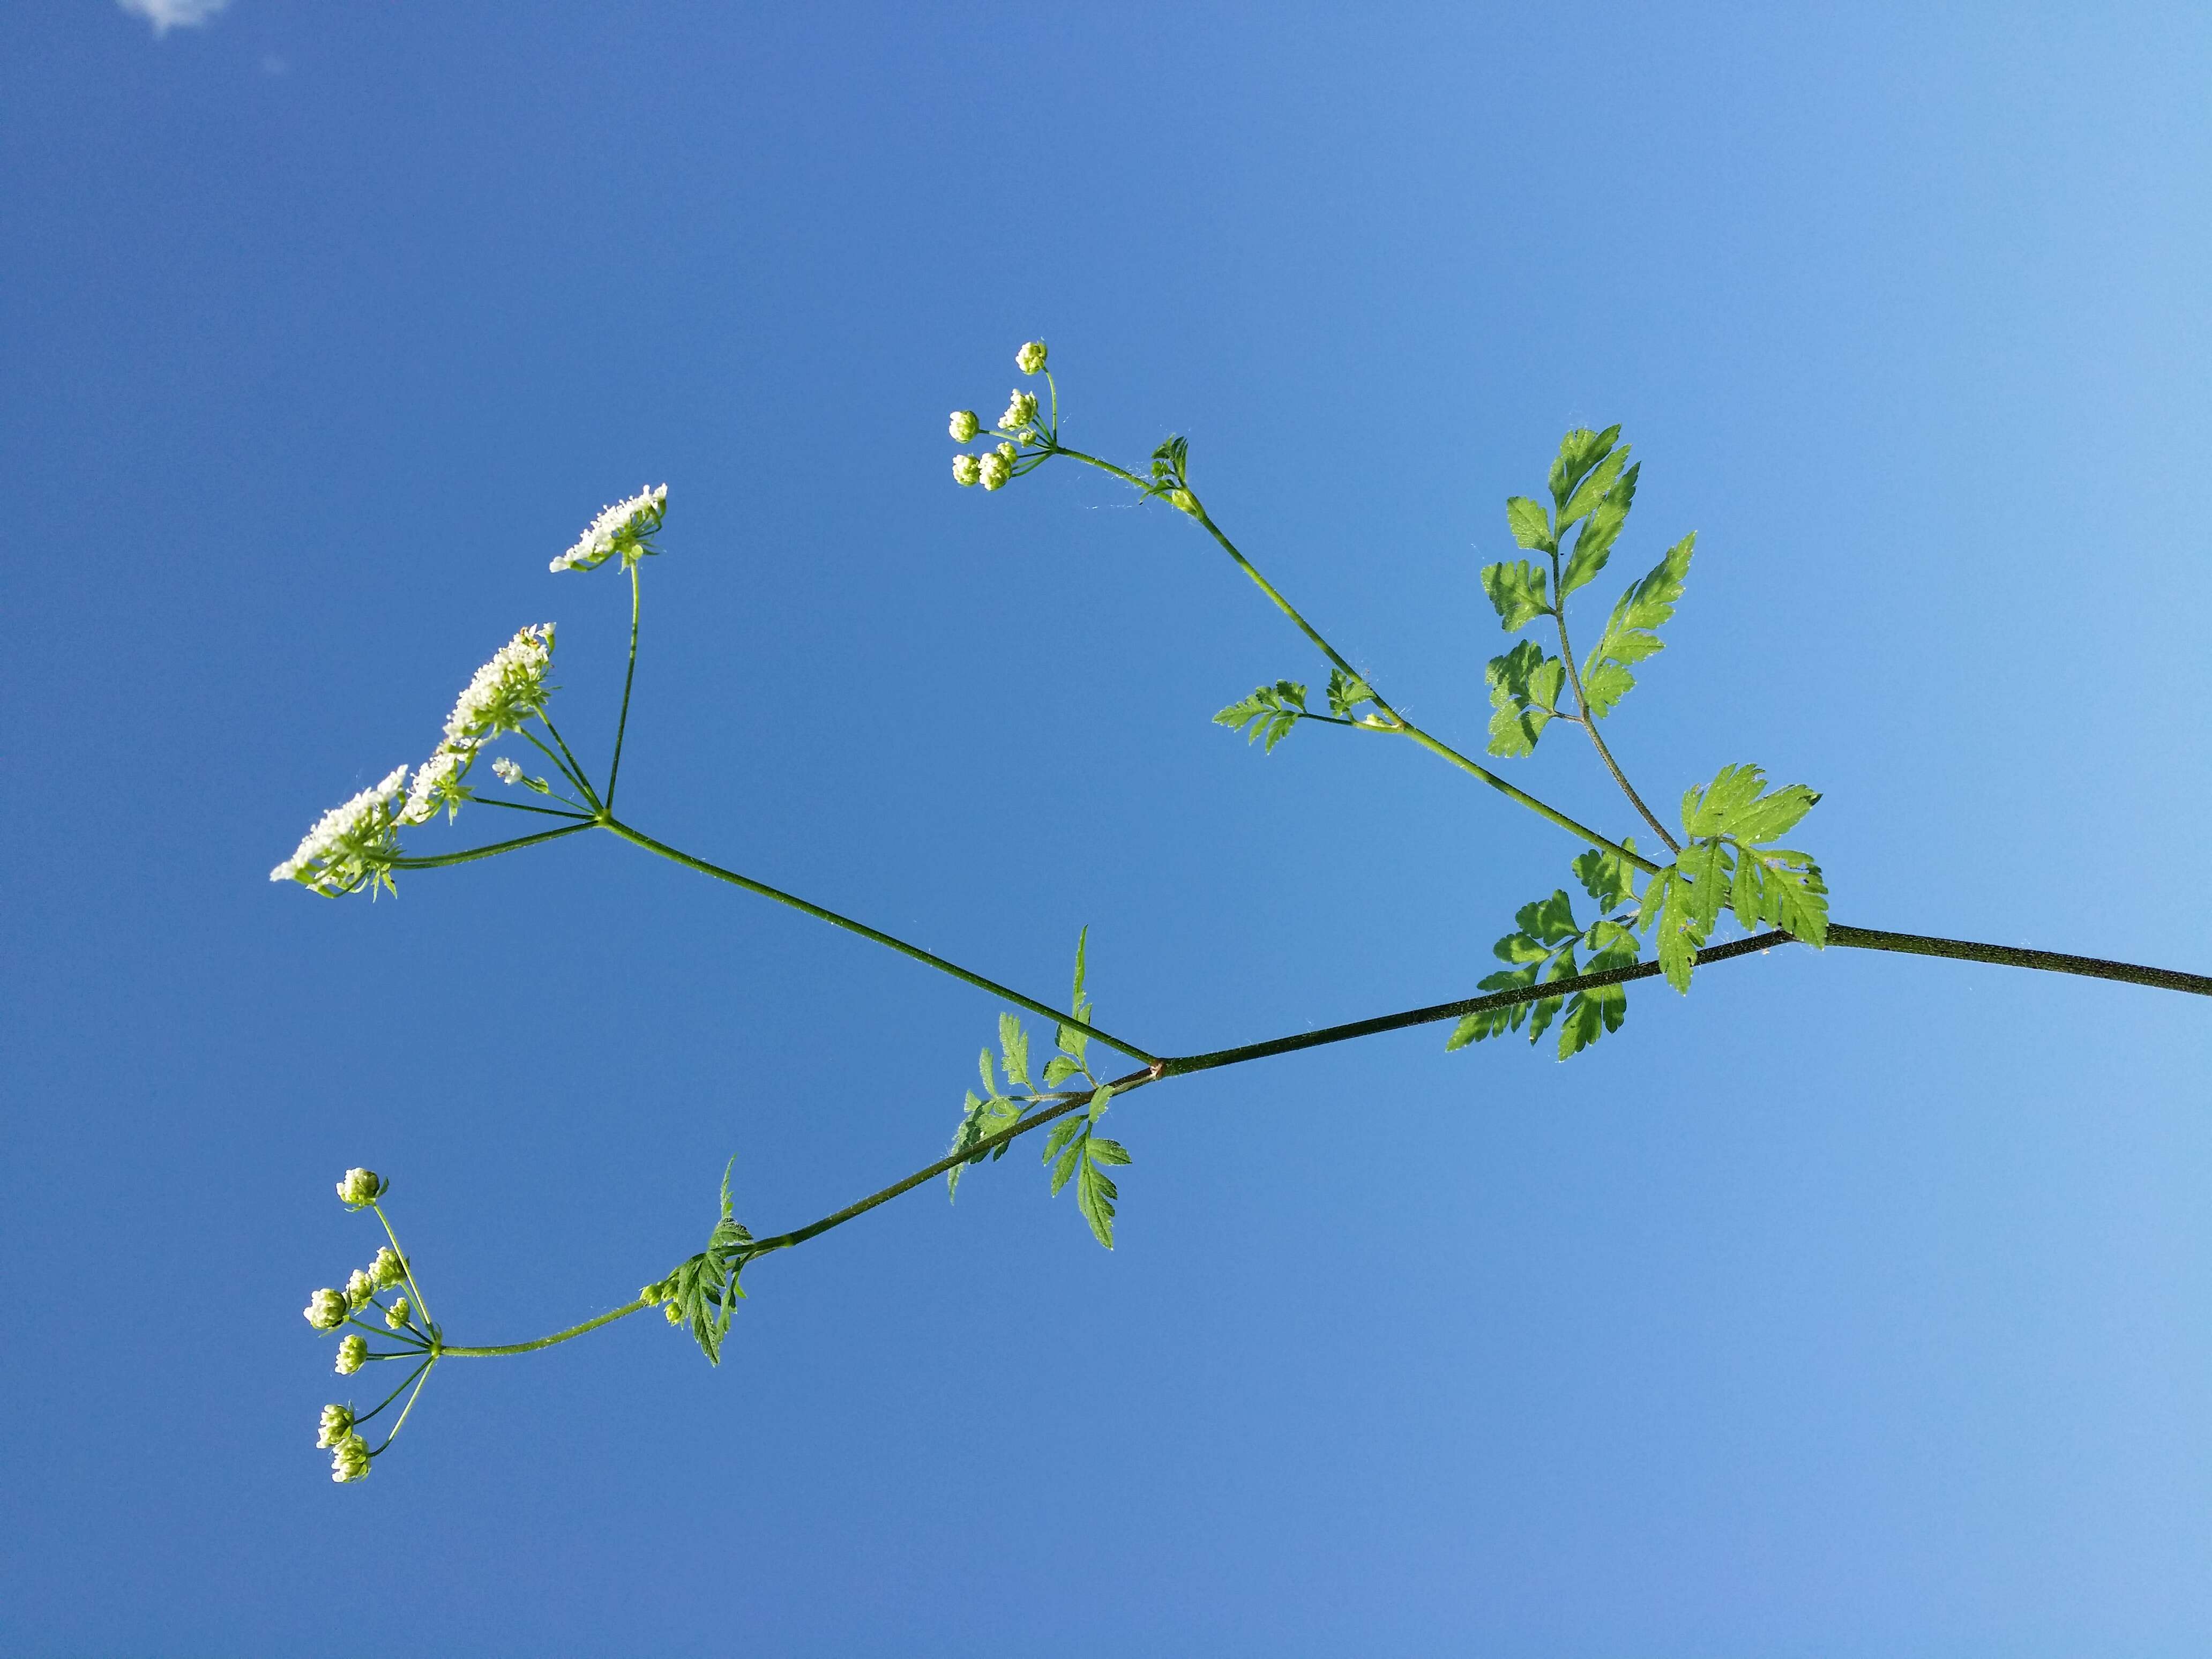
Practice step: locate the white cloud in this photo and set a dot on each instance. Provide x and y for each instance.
(166, 15)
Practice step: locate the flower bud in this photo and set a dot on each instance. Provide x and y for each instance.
(326, 1310)
(359, 1288)
(965, 425)
(337, 1424)
(387, 1269)
(966, 469)
(1031, 357)
(396, 1317)
(1021, 410)
(994, 470)
(353, 1353)
(349, 1462)
(360, 1187)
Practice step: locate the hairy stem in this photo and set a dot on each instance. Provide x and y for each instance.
(622, 725)
(623, 1312)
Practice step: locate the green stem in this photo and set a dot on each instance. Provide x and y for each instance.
(394, 1394)
(576, 767)
(520, 806)
(1588, 721)
(559, 765)
(622, 725)
(430, 1365)
(2006, 955)
(915, 951)
(1398, 722)
(407, 1268)
(441, 860)
(623, 1312)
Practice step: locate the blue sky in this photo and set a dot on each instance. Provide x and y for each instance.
(1852, 1305)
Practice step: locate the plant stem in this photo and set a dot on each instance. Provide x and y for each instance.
(2006, 955)
(439, 862)
(1398, 722)
(576, 767)
(622, 725)
(1588, 721)
(623, 1312)
(1046, 1010)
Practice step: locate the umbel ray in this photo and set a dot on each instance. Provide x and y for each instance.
(1566, 967)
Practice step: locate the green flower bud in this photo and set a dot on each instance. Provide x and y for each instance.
(1031, 357)
(353, 1352)
(1021, 410)
(396, 1316)
(360, 1187)
(994, 469)
(359, 1288)
(965, 425)
(966, 469)
(338, 1423)
(326, 1310)
(387, 1269)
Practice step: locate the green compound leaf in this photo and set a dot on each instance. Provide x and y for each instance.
(703, 1291)
(1629, 633)
(1594, 544)
(1517, 590)
(1579, 451)
(1269, 712)
(1524, 696)
(1594, 487)
(1530, 524)
(1542, 950)
(1346, 693)
(1014, 1050)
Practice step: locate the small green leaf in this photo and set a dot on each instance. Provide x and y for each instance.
(1063, 1132)
(1094, 1195)
(1579, 451)
(1732, 805)
(1531, 525)
(1517, 590)
(1100, 1100)
(1629, 633)
(1606, 876)
(1551, 921)
(1070, 1161)
(1102, 1151)
(983, 1065)
(1594, 543)
(1059, 1069)
(1541, 1013)
(1524, 691)
(1594, 487)
(1776, 885)
(1014, 1050)
(1347, 692)
(1267, 714)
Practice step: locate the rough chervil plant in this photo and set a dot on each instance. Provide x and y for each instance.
(1564, 967)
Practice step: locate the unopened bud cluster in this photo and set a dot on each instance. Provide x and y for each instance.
(1017, 429)
(328, 1309)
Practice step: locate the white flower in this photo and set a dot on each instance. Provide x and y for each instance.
(326, 1310)
(966, 469)
(359, 1288)
(508, 770)
(504, 693)
(626, 528)
(396, 1317)
(1021, 410)
(360, 1187)
(353, 1351)
(965, 425)
(387, 1269)
(437, 783)
(994, 469)
(1031, 357)
(350, 1461)
(351, 846)
(337, 1424)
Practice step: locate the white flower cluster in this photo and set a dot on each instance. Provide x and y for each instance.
(349, 1462)
(360, 1187)
(626, 528)
(995, 468)
(353, 1353)
(508, 770)
(326, 1310)
(502, 694)
(351, 846)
